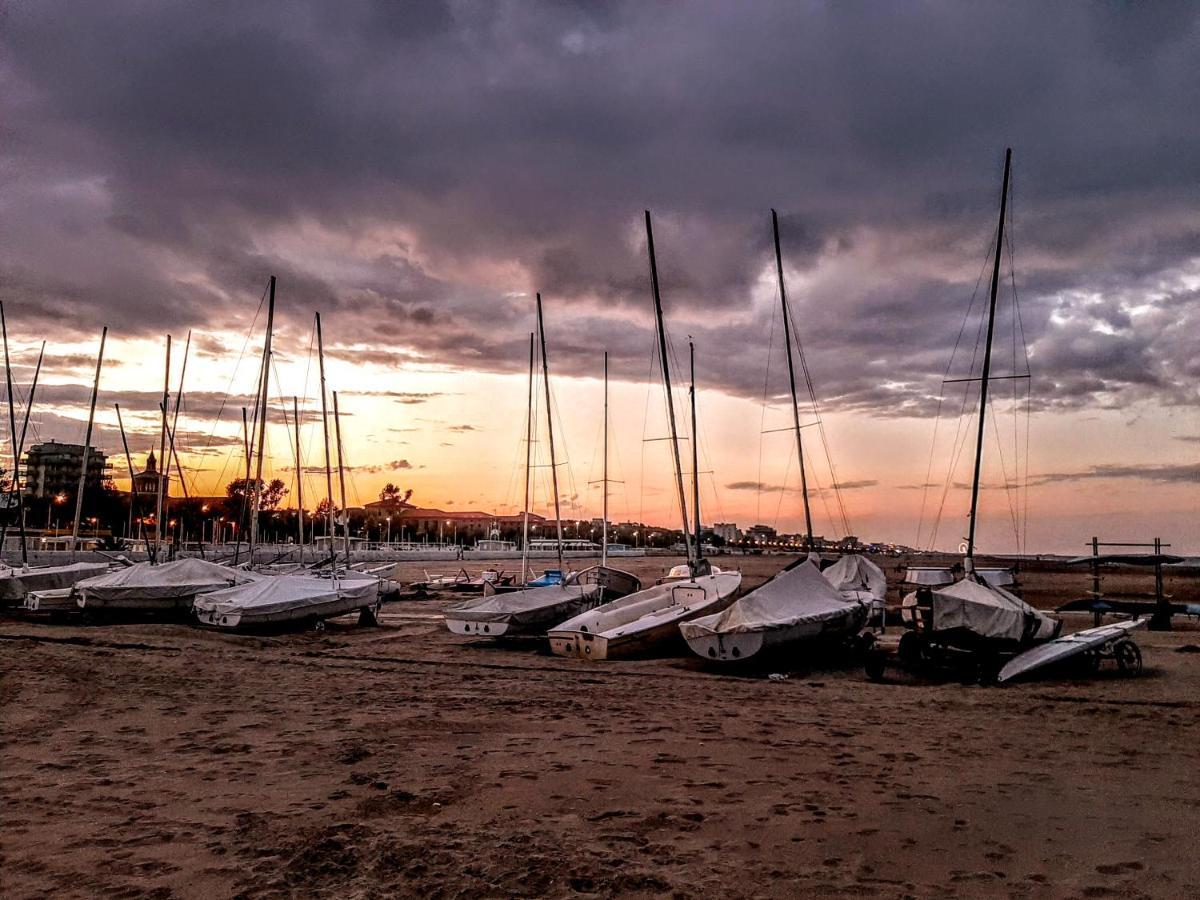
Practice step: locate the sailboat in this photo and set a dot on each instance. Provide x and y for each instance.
(27, 585)
(532, 610)
(973, 619)
(649, 620)
(800, 605)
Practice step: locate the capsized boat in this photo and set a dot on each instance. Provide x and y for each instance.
(289, 598)
(16, 583)
(645, 622)
(169, 586)
(534, 610)
(797, 607)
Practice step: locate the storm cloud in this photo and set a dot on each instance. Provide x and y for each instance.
(416, 171)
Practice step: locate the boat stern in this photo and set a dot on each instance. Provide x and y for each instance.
(476, 629)
(578, 645)
(726, 647)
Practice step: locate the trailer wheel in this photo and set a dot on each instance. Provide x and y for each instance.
(319, 625)
(368, 616)
(1129, 657)
(876, 665)
(911, 648)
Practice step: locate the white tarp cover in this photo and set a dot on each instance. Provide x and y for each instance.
(552, 604)
(182, 578)
(857, 573)
(799, 594)
(988, 612)
(928, 575)
(286, 593)
(16, 583)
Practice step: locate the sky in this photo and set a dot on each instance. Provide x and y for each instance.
(416, 172)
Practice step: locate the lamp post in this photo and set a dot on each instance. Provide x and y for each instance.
(389, 530)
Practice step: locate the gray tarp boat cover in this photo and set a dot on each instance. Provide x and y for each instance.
(928, 575)
(16, 583)
(857, 574)
(182, 578)
(989, 612)
(795, 595)
(276, 594)
(551, 604)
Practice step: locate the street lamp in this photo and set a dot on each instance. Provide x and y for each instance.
(389, 529)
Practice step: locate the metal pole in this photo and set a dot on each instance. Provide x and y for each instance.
(666, 372)
(987, 365)
(695, 454)
(133, 491)
(299, 474)
(528, 462)
(87, 440)
(256, 500)
(550, 434)
(20, 448)
(604, 538)
(163, 459)
(12, 434)
(337, 427)
(787, 340)
(325, 428)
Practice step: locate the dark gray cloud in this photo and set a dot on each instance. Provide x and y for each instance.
(415, 171)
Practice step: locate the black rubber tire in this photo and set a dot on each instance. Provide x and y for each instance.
(876, 665)
(911, 649)
(1129, 657)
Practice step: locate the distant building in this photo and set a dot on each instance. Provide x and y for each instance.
(416, 520)
(727, 531)
(52, 468)
(145, 483)
(761, 533)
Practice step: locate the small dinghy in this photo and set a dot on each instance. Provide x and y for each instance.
(645, 622)
(169, 586)
(289, 598)
(857, 578)
(534, 610)
(17, 583)
(797, 608)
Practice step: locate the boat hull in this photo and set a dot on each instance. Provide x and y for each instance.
(791, 641)
(645, 623)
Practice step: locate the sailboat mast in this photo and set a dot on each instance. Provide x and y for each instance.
(787, 340)
(325, 430)
(604, 529)
(666, 372)
(12, 434)
(337, 428)
(550, 432)
(256, 502)
(163, 459)
(16, 483)
(133, 491)
(87, 440)
(299, 474)
(528, 462)
(987, 365)
(695, 454)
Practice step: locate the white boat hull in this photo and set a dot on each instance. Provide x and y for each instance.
(643, 623)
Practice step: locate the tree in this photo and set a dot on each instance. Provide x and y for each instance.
(269, 496)
(393, 494)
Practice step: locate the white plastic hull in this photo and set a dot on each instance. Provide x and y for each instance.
(326, 609)
(644, 623)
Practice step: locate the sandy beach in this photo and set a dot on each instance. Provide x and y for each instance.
(160, 760)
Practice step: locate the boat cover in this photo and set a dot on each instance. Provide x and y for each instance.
(16, 583)
(1001, 578)
(1066, 647)
(286, 593)
(989, 612)
(528, 607)
(858, 574)
(182, 578)
(928, 575)
(797, 594)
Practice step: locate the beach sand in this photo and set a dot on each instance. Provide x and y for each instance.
(159, 760)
